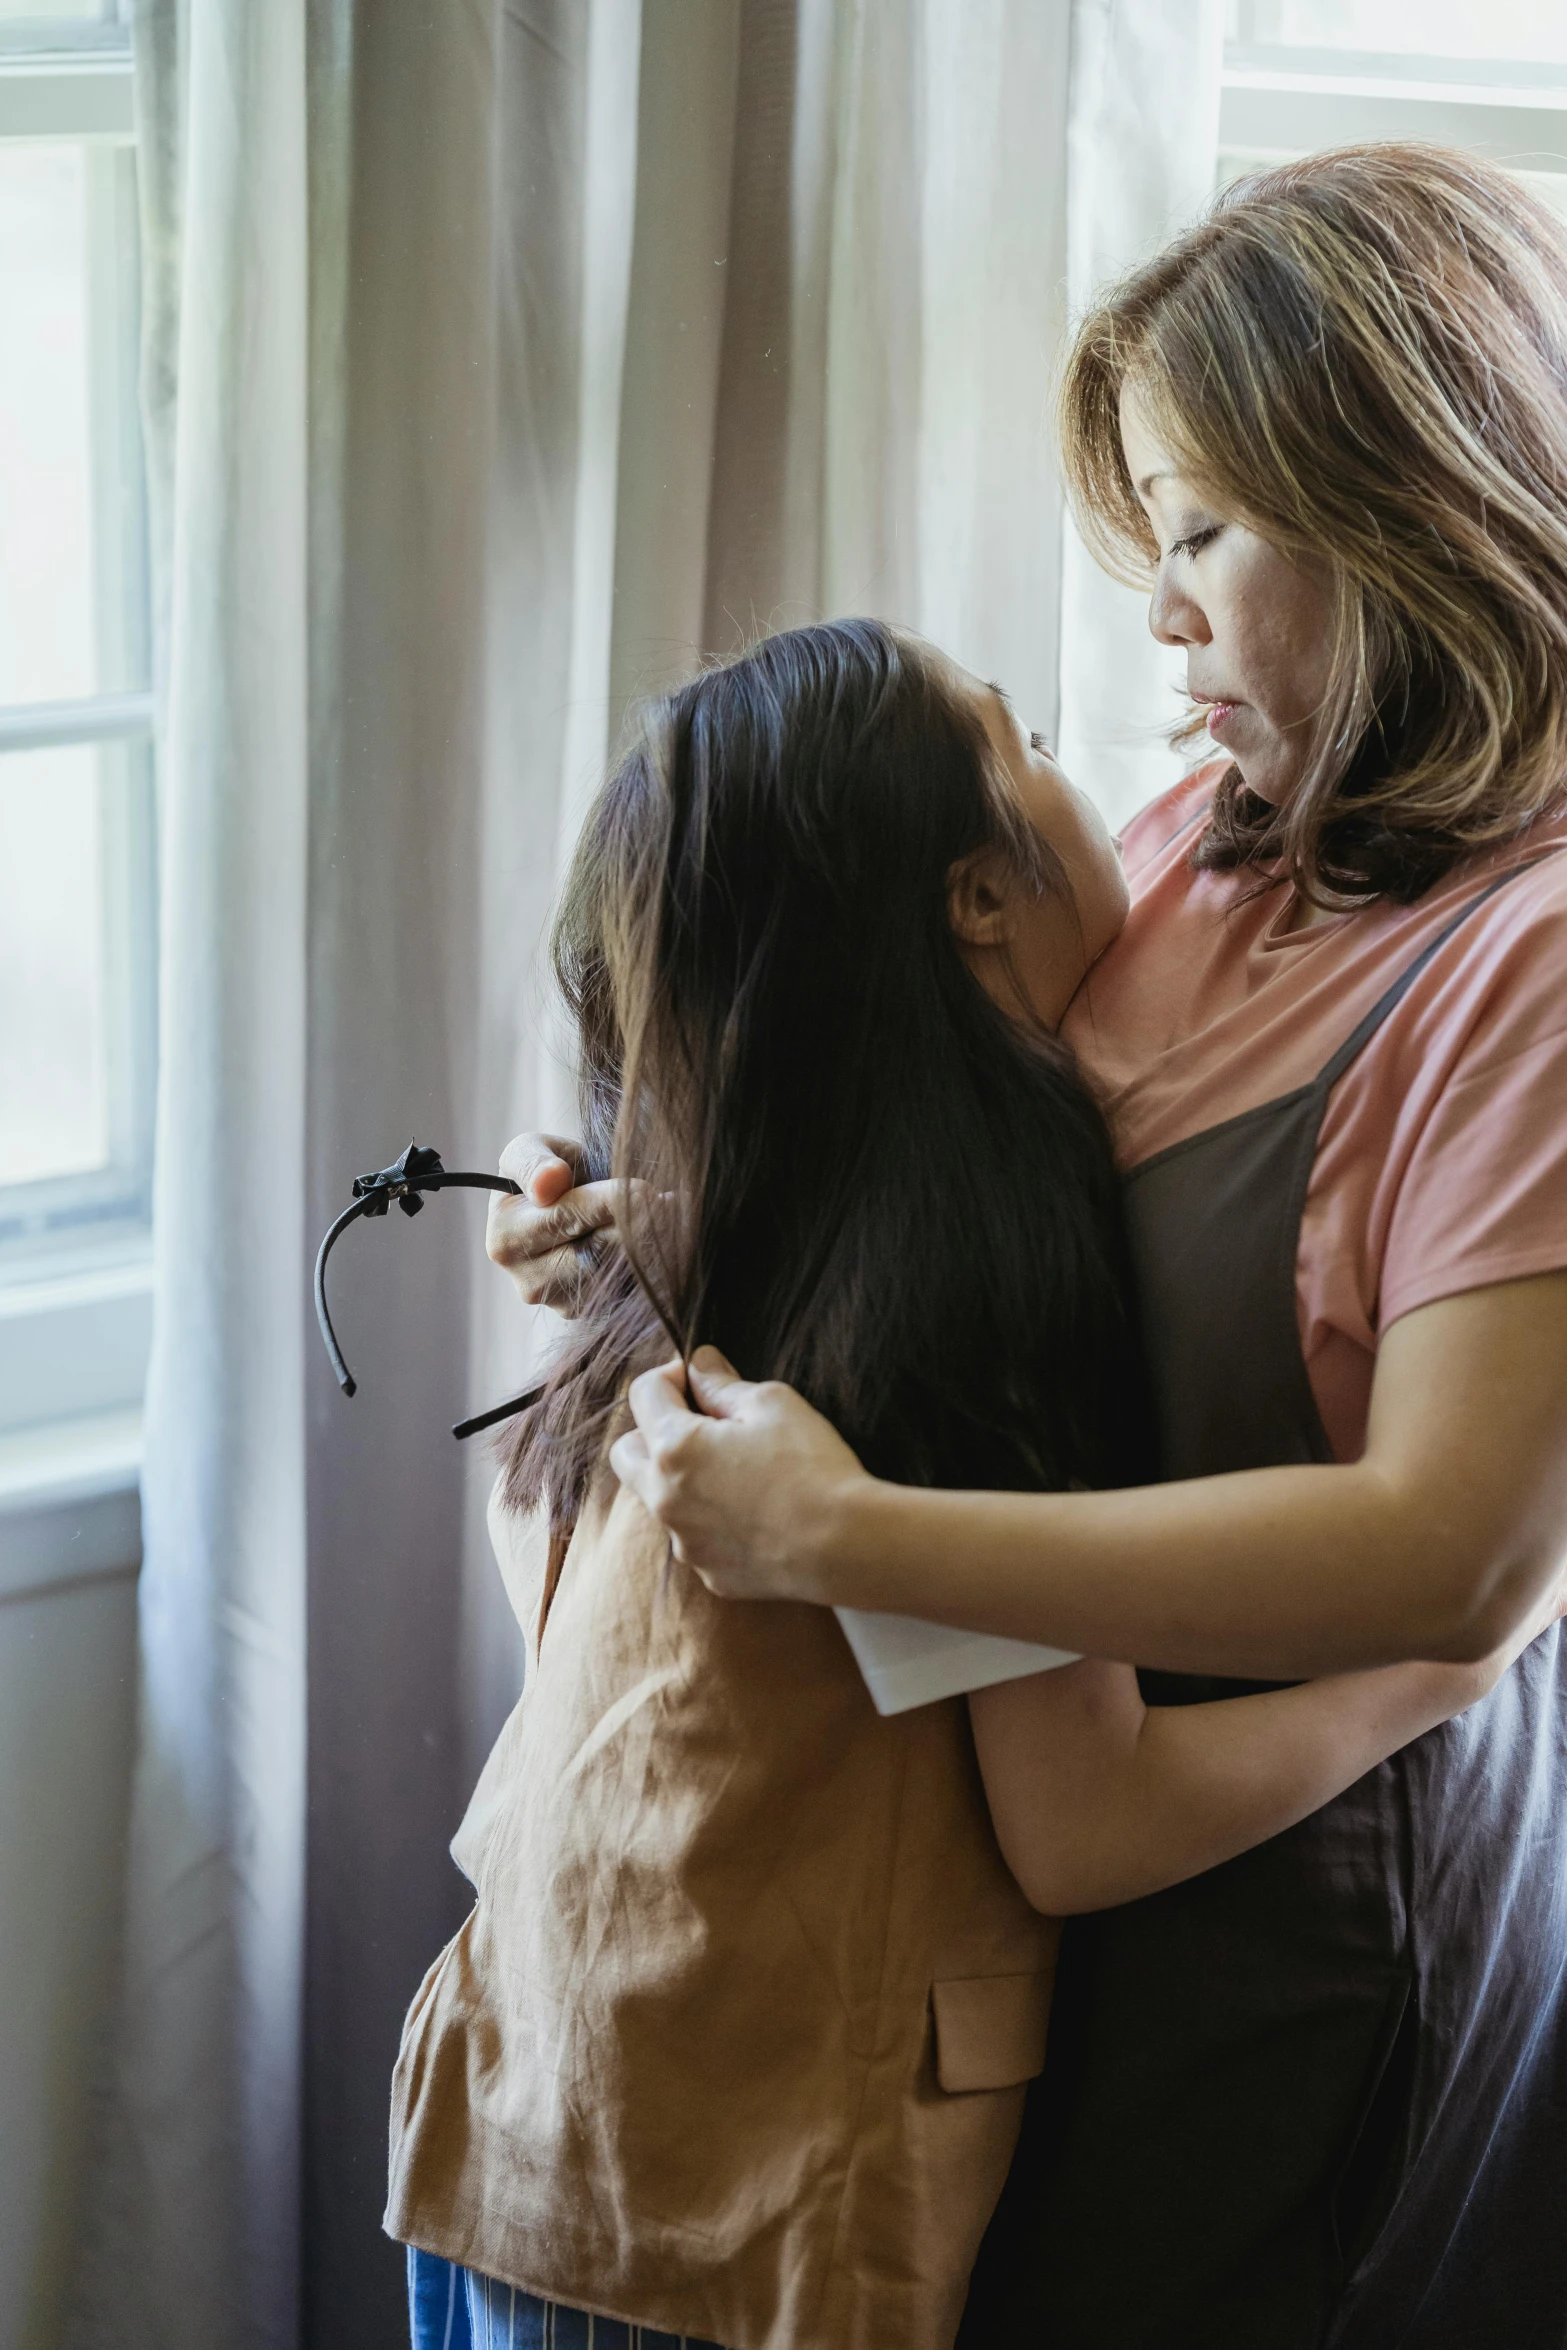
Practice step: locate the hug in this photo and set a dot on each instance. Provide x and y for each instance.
(1155, 1250)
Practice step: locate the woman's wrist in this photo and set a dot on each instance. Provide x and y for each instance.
(839, 1558)
(872, 1547)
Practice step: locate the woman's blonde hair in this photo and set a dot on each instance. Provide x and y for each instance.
(1363, 356)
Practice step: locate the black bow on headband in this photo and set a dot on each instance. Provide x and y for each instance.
(405, 1180)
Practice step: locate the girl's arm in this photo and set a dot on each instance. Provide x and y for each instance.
(1439, 1542)
(1098, 1798)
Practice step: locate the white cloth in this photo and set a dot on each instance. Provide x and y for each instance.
(500, 356)
(202, 2132)
(369, 272)
(1142, 158)
(906, 1662)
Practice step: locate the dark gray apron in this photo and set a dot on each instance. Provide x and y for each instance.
(1318, 2096)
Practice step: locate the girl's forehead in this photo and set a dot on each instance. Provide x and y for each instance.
(987, 693)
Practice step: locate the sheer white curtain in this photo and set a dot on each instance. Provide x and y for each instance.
(205, 2115)
(501, 357)
(846, 318)
(371, 248)
(1141, 156)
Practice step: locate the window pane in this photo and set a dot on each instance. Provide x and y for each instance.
(38, 29)
(69, 454)
(53, 11)
(1526, 30)
(45, 478)
(55, 1114)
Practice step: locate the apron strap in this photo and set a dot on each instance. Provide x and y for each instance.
(1360, 1036)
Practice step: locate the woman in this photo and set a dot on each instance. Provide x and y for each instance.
(1318, 2094)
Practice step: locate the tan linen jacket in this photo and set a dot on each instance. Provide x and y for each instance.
(734, 2042)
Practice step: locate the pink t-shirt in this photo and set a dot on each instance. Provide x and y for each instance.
(1442, 1162)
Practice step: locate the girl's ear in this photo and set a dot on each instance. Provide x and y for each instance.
(979, 895)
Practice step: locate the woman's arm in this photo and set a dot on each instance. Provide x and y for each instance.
(1098, 1798)
(1438, 1542)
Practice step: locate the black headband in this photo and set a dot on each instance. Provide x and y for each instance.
(405, 1180)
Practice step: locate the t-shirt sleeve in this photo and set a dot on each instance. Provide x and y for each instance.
(1173, 812)
(1484, 1195)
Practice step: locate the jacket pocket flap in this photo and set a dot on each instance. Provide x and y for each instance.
(990, 2029)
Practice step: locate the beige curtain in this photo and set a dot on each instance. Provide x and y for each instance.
(849, 288)
(503, 356)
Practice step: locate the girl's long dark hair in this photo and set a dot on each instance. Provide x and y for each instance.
(843, 1164)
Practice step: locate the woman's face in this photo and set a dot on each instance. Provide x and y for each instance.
(1021, 942)
(1256, 624)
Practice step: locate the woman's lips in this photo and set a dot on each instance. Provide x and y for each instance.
(1218, 714)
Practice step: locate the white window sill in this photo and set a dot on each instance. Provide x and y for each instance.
(84, 97)
(68, 1461)
(70, 1511)
(73, 1349)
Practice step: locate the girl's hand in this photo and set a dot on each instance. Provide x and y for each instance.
(755, 1491)
(536, 1235)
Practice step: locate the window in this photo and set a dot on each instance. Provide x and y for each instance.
(1303, 74)
(77, 810)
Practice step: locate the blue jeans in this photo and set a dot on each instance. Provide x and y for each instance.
(457, 2309)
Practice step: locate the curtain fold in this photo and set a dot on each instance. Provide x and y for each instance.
(213, 1927)
(399, 486)
(501, 358)
(869, 320)
(565, 111)
(368, 255)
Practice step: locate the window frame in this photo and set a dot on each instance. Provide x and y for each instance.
(1277, 101)
(75, 1250)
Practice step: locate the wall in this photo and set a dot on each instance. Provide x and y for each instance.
(69, 1547)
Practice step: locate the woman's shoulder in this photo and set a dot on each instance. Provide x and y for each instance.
(1540, 855)
(1488, 994)
(1519, 892)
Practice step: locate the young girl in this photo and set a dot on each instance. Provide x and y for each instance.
(733, 2047)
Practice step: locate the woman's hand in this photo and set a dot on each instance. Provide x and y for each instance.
(1442, 1541)
(755, 1492)
(537, 1234)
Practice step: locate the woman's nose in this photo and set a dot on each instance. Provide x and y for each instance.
(1175, 616)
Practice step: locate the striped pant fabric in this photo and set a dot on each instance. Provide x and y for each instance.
(457, 2309)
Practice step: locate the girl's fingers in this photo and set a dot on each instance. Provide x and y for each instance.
(521, 1232)
(585, 1209)
(529, 1156)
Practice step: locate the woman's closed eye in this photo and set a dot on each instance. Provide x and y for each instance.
(1037, 742)
(1196, 540)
